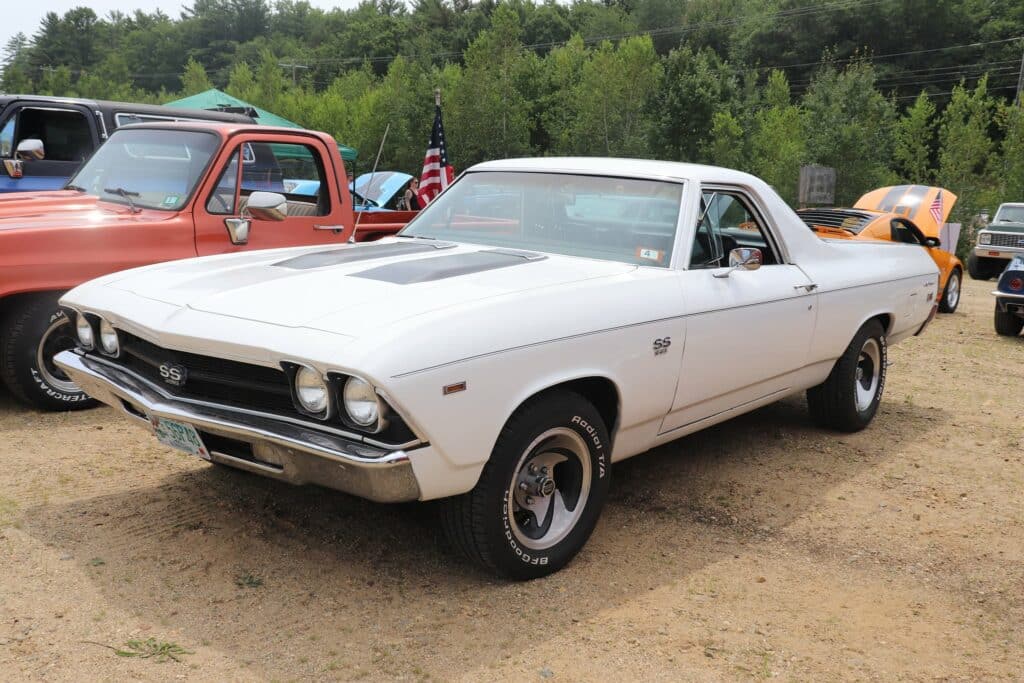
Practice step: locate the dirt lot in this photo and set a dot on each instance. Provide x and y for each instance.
(760, 548)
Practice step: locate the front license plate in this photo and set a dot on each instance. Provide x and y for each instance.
(182, 436)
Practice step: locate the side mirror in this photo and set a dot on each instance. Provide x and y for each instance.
(30, 149)
(932, 242)
(743, 258)
(267, 206)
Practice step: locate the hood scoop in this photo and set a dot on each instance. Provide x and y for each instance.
(444, 267)
(353, 254)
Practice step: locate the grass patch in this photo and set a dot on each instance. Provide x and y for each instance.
(8, 509)
(248, 580)
(151, 648)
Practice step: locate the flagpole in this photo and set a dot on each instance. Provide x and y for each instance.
(369, 183)
(437, 97)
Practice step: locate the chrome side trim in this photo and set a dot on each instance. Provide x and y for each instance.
(1006, 295)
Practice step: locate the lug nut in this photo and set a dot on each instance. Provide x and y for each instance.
(529, 500)
(523, 487)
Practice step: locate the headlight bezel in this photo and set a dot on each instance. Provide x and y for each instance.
(296, 370)
(101, 338)
(985, 238)
(82, 321)
(375, 421)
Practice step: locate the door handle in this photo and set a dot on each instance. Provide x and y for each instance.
(807, 288)
(333, 228)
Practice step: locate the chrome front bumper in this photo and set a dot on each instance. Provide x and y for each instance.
(280, 449)
(1000, 252)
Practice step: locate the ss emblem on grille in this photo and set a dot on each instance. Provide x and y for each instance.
(173, 374)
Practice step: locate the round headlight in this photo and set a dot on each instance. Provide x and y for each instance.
(108, 338)
(311, 390)
(985, 238)
(84, 329)
(361, 402)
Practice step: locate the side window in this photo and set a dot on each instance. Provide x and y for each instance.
(222, 199)
(7, 139)
(65, 134)
(290, 169)
(901, 232)
(726, 222)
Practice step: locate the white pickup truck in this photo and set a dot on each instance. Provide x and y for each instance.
(998, 242)
(538, 322)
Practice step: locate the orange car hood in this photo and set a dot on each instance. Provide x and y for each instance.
(60, 208)
(914, 202)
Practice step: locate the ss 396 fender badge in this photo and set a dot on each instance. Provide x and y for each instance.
(661, 345)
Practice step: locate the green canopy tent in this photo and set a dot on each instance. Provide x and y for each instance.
(217, 99)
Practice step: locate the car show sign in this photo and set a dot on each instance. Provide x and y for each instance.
(817, 185)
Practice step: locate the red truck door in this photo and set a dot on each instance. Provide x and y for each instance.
(296, 166)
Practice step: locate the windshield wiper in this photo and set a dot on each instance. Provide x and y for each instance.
(418, 237)
(76, 188)
(127, 194)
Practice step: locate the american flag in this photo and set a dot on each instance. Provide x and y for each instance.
(936, 208)
(437, 172)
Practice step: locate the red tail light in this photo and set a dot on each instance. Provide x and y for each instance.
(1016, 284)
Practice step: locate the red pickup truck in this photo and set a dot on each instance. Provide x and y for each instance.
(157, 192)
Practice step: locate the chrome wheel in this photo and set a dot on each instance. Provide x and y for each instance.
(59, 336)
(953, 291)
(549, 489)
(868, 373)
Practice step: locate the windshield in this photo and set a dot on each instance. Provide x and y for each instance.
(614, 219)
(155, 169)
(1010, 214)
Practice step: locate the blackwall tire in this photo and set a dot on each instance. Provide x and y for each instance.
(951, 295)
(34, 330)
(1007, 324)
(540, 494)
(848, 400)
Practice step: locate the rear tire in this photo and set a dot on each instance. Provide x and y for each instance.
(35, 329)
(1008, 324)
(951, 295)
(981, 268)
(540, 494)
(848, 400)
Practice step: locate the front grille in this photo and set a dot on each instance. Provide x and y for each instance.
(227, 382)
(1002, 239)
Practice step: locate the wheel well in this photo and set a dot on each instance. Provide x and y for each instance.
(600, 391)
(886, 320)
(9, 302)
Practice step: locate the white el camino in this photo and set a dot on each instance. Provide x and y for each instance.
(539, 321)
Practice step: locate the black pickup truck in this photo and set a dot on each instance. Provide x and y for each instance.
(69, 130)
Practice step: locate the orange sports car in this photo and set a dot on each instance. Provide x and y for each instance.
(912, 214)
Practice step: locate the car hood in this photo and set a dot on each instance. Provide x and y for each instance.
(918, 203)
(1007, 226)
(354, 289)
(63, 209)
(380, 187)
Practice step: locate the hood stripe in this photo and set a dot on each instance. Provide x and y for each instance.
(337, 257)
(443, 267)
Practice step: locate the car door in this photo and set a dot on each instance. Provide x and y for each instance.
(68, 134)
(257, 163)
(748, 331)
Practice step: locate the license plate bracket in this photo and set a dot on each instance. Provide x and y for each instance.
(180, 436)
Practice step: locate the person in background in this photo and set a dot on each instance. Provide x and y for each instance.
(411, 201)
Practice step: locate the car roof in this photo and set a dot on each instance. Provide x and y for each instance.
(642, 168)
(226, 128)
(131, 107)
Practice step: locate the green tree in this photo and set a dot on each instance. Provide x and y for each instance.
(849, 126)
(965, 155)
(194, 80)
(726, 146)
(1011, 162)
(779, 145)
(913, 137)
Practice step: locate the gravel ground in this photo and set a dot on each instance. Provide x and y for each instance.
(759, 548)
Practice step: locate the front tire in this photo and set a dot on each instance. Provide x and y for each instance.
(951, 295)
(1008, 324)
(35, 330)
(848, 400)
(981, 268)
(540, 494)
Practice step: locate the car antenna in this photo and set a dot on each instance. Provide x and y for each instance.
(369, 183)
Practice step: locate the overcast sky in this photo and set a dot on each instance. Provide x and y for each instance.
(19, 15)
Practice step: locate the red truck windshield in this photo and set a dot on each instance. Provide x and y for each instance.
(154, 169)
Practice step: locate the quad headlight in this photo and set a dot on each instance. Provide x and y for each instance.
(985, 238)
(311, 391)
(362, 405)
(83, 328)
(109, 341)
